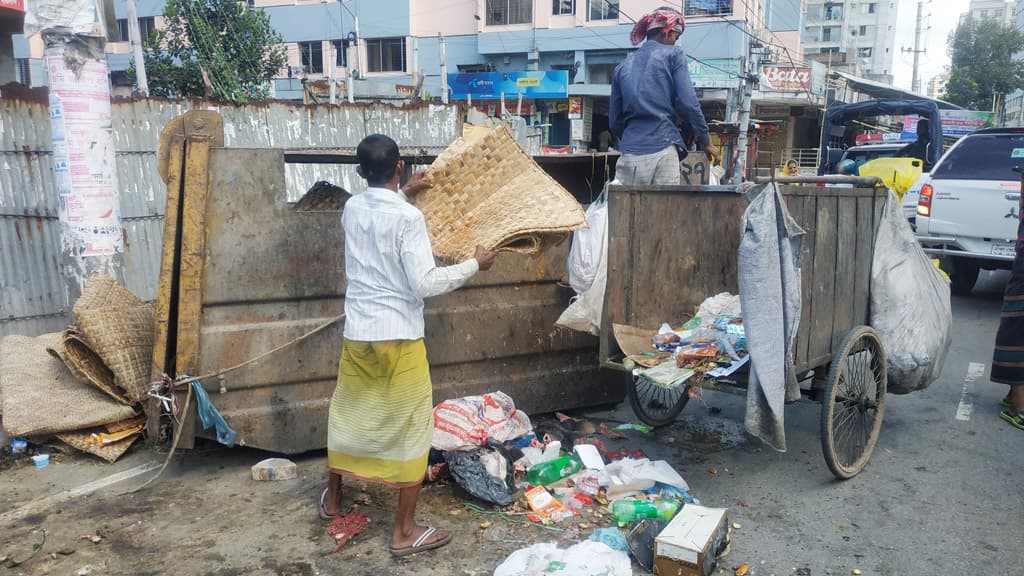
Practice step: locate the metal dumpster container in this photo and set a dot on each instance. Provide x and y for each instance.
(243, 273)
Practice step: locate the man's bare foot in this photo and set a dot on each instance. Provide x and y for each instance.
(401, 542)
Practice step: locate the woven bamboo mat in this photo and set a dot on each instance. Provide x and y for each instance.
(488, 191)
(119, 329)
(40, 394)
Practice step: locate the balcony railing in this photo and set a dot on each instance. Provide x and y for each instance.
(698, 8)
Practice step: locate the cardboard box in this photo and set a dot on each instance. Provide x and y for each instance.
(691, 541)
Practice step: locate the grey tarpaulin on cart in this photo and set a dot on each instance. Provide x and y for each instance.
(769, 282)
(910, 307)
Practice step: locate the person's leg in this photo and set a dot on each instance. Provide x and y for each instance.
(332, 503)
(406, 531)
(666, 172)
(1016, 398)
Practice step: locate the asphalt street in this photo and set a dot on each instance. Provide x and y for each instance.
(941, 495)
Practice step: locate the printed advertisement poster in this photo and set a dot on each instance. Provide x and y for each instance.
(491, 85)
(716, 73)
(954, 123)
(575, 108)
(83, 158)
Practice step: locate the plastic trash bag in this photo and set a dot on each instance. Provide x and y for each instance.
(627, 476)
(587, 249)
(470, 471)
(612, 537)
(468, 423)
(587, 558)
(899, 174)
(910, 307)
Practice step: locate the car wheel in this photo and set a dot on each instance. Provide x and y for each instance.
(962, 277)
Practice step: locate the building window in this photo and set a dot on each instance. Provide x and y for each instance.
(311, 56)
(385, 55)
(826, 34)
(863, 31)
(501, 12)
(834, 12)
(146, 27)
(563, 7)
(603, 9)
(23, 71)
(475, 68)
(864, 52)
(708, 8)
(340, 52)
(872, 7)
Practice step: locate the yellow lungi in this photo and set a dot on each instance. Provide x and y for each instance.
(381, 415)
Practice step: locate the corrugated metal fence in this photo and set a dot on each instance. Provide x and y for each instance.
(33, 298)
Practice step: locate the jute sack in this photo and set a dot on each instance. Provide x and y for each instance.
(42, 397)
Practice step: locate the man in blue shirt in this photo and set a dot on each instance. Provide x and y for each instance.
(650, 90)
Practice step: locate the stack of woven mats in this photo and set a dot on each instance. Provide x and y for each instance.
(84, 386)
(486, 190)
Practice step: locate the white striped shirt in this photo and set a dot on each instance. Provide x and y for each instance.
(390, 267)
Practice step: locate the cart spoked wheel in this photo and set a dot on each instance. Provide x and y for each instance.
(657, 405)
(854, 404)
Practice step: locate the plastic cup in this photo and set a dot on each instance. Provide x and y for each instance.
(41, 460)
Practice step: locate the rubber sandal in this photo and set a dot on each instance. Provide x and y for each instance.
(421, 545)
(1005, 403)
(321, 509)
(1015, 420)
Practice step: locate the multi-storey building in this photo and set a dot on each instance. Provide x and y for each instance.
(1001, 10)
(936, 87)
(857, 37)
(386, 47)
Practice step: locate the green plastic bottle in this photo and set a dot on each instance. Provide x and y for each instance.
(630, 510)
(554, 470)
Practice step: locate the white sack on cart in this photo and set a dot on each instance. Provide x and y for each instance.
(910, 307)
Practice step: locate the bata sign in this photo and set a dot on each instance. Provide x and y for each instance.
(785, 79)
(18, 5)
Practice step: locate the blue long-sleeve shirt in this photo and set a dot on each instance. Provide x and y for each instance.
(650, 89)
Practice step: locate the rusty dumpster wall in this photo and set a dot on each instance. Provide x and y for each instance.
(271, 274)
(33, 297)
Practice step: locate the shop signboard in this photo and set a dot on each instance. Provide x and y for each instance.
(717, 73)
(491, 85)
(955, 123)
(785, 79)
(18, 5)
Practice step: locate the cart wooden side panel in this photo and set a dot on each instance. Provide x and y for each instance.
(670, 247)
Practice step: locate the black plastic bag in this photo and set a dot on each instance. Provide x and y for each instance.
(472, 476)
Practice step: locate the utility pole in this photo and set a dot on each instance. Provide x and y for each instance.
(746, 94)
(915, 85)
(444, 70)
(135, 36)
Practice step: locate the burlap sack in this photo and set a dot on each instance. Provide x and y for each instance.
(42, 397)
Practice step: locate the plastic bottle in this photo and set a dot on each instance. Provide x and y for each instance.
(630, 510)
(554, 470)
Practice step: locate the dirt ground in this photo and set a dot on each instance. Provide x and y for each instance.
(206, 515)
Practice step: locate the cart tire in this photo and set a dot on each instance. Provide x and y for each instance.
(655, 405)
(854, 403)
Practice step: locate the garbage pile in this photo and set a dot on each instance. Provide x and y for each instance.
(82, 388)
(712, 344)
(572, 484)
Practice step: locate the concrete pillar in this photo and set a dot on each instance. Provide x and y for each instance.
(83, 158)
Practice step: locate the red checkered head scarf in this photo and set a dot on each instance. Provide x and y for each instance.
(664, 19)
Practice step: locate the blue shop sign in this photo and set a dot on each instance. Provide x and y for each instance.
(491, 85)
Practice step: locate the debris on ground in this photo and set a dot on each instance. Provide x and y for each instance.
(587, 558)
(273, 469)
(345, 528)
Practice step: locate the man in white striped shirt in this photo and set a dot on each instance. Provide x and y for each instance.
(381, 414)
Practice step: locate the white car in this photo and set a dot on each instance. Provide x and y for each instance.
(968, 207)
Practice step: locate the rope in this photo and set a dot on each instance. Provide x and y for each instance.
(217, 374)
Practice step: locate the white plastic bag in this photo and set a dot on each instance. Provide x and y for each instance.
(588, 558)
(584, 312)
(587, 249)
(910, 307)
(467, 423)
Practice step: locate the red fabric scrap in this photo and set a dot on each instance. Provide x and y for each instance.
(347, 527)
